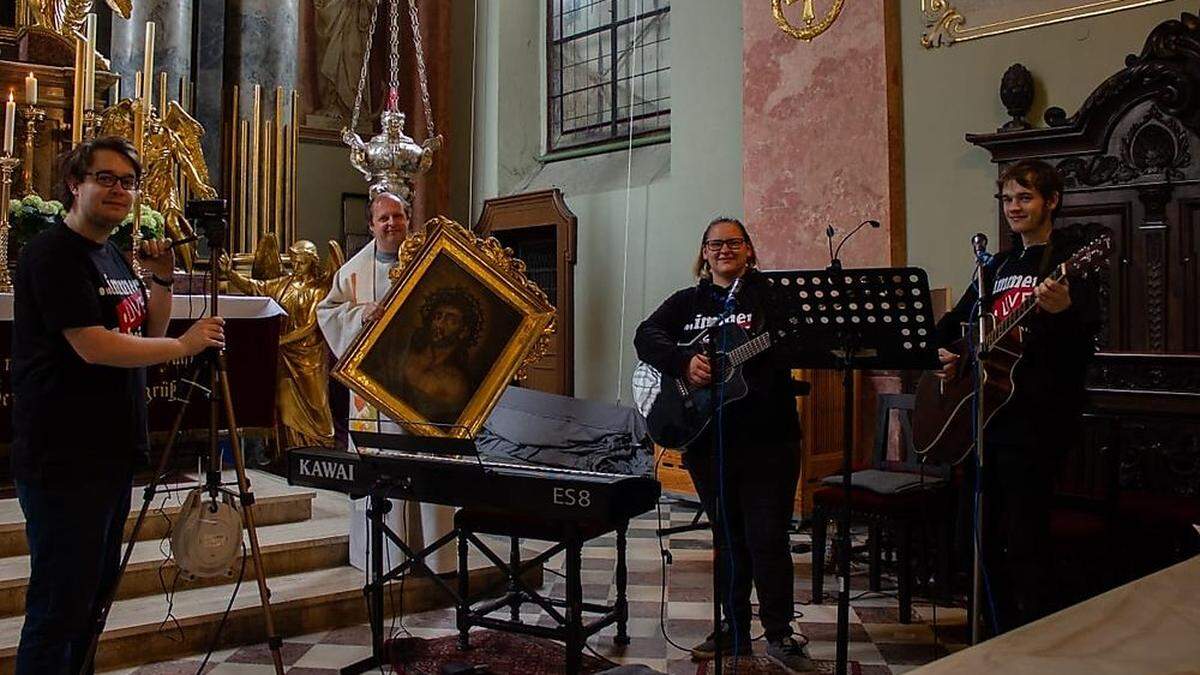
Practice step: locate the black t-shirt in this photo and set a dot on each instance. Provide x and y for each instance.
(73, 420)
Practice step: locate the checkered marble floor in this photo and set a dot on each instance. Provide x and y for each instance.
(878, 641)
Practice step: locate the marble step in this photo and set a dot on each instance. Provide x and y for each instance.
(287, 548)
(302, 603)
(275, 502)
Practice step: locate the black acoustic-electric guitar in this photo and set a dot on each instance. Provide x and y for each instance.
(943, 429)
(677, 412)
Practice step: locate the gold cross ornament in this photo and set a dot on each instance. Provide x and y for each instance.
(812, 26)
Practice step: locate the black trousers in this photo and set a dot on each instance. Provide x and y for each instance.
(74, 535)
(1018, 494)
(759, 489)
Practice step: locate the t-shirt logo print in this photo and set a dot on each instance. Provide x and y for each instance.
(1010, 292)
(131, 310)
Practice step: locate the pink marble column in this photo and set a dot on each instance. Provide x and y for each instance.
(822, 136)
(822, 144)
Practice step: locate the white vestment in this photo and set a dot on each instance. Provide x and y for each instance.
(363, 280)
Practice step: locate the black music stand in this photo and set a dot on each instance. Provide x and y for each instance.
(847, 320)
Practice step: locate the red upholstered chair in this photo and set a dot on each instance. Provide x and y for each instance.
(901, 497)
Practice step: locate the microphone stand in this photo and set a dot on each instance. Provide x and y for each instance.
(980, 348)
(717, 465)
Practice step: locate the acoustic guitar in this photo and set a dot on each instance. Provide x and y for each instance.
(943, 429)
(676, 411)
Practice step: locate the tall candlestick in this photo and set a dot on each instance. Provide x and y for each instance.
(77, 96)
(89, 75)
(10, 122)
(148, 66)
(7, 164)
(31, 91)
(33, 117)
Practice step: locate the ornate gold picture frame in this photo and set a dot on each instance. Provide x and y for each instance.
(950, 21)
(459, 323)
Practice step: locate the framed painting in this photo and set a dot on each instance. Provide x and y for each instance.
(460, 322)
(950, 21)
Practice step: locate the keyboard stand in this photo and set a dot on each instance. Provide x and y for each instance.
(568, 537)
(379, 579)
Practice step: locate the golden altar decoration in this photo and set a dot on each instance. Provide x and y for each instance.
(171, 157)
(302, 393)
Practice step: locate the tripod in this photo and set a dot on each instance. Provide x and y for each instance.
(212, 363)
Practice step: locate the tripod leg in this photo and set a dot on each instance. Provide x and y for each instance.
(247, 500)
(110, 593)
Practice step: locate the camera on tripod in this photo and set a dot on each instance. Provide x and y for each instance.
(210, 218)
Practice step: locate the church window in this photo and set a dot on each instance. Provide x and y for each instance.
(608, 67)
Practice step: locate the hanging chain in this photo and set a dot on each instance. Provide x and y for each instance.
(394, 59)
(416, 30)
(362, 76)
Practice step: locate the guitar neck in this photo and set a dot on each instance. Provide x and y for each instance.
(1014, 318)
(748, 350)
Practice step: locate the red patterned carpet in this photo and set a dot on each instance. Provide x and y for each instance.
(505, 654)
(501, 653)
(761, 665)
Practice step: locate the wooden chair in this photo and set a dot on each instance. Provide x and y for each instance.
(892, 496)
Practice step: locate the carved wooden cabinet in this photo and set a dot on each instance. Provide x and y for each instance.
(540, 229)
(1130, 165)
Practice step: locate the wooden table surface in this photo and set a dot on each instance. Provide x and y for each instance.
(1151, 625)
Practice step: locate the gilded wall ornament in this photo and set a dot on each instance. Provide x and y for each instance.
(947, 23)
(812, 26)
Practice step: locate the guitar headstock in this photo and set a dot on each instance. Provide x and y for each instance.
(1089, 258)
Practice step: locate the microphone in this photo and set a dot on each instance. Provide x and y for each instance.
(835, 263)
(979, 244)
(733, 289)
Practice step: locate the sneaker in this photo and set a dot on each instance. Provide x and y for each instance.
(790, 654)
(708, 649)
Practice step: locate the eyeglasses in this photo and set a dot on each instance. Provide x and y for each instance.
(109, 179)
(734, 244)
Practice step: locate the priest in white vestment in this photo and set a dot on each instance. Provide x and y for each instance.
(353, 300)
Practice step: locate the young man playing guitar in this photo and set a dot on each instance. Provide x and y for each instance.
(759, 434)
(1026, 438)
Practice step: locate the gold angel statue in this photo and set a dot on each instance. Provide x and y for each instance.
(66, 17)
(171, 142)
(302, 382)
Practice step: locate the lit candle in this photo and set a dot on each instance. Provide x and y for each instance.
(31, 89)
(89, 76)
(10, 121)
(148, 66)
(116, 92)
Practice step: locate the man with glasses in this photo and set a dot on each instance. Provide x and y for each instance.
(84, 328)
